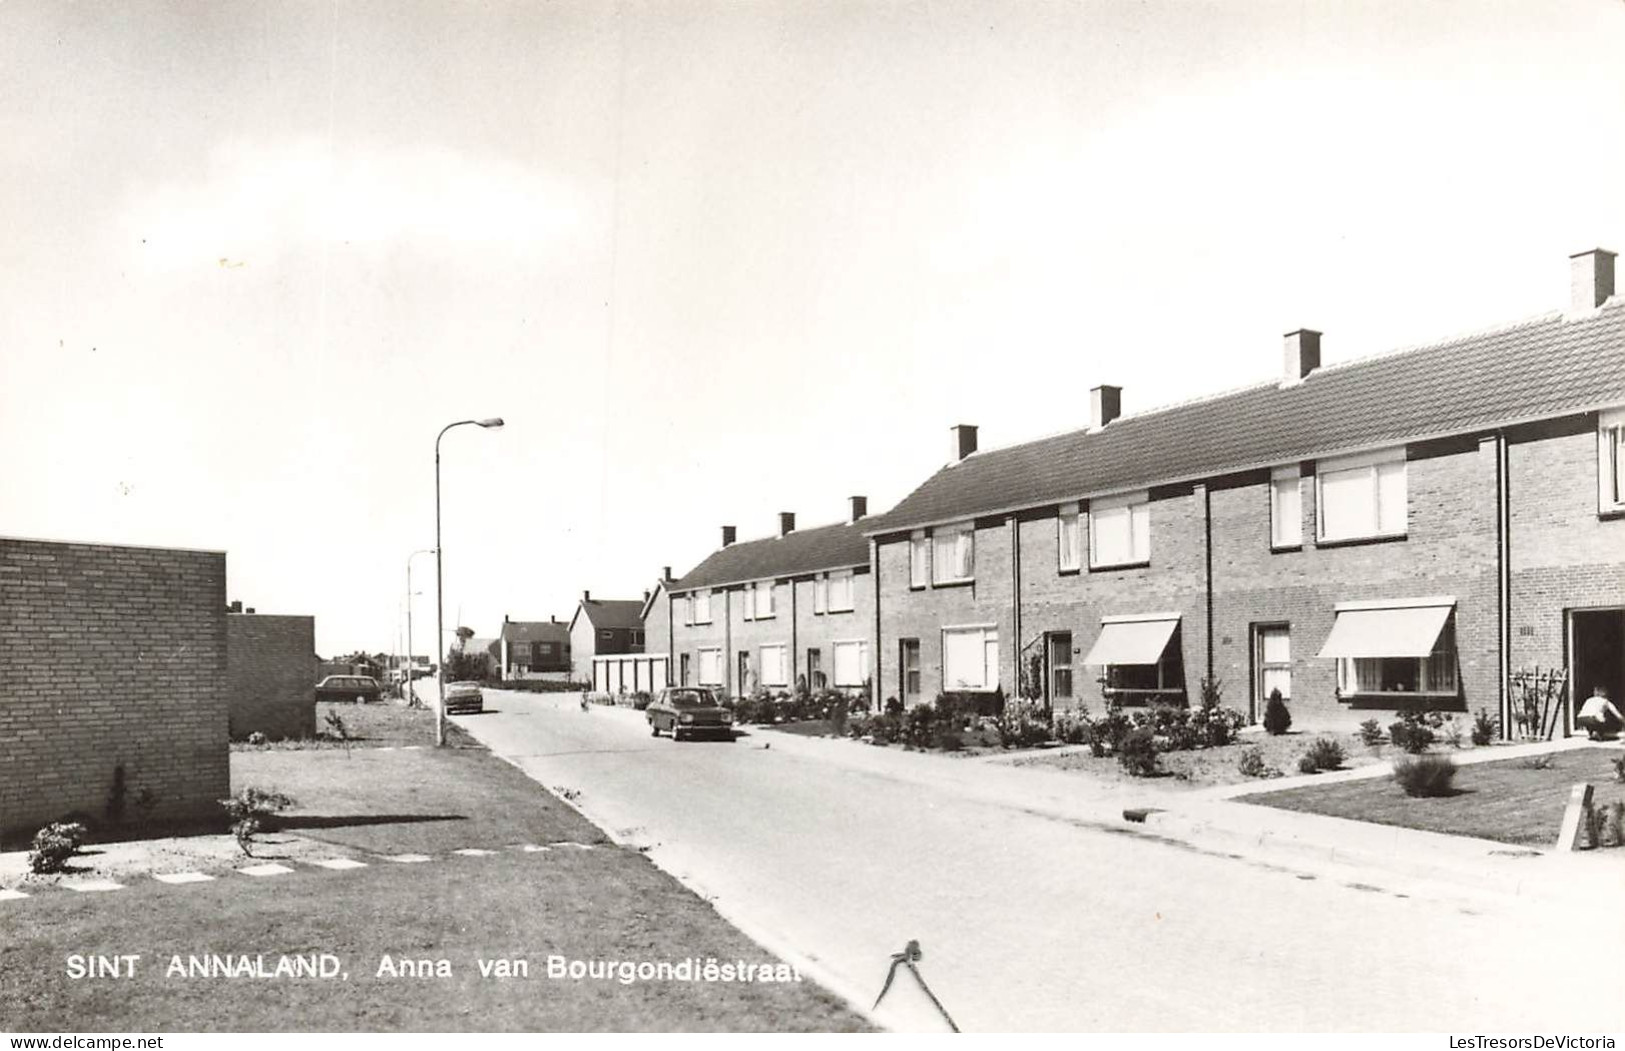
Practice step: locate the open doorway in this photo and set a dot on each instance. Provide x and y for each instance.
(1596, 655)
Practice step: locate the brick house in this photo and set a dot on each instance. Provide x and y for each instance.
(112, 684)
(271, 675)
(1399, 531)
(602, 627)
(533, 649)
(772, 613)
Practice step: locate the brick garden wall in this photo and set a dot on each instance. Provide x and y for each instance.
(109, 657)
(271, 672)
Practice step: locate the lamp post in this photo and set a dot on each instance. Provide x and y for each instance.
(411, 691)
(439, 579)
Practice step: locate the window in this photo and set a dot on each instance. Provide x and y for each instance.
(637, 638)
(815, 670)
(759, 600)
(1362, 496)
(1120, 530)
(820, 595)
(711, 667)
(1273, 662)
(851, 662)
(909, 664)
(1163, 681)
(1060, 665)
(774, 671)
(1433, 675)
(919, 560)
(970, 658)
(1611, 461)
(1070, 556)
(700, 602)
(953, 553)
(745, 685)
(1286, 507)
(1141, 657)
(682, 670)
(840, 591)
(605, 635)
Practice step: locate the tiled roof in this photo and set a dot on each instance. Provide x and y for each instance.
(535, 631)
(803, 551)
(614, 612)
(1537, 369)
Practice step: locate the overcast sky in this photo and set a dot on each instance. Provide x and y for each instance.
(715, 261)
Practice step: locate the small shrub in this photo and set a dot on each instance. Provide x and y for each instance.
(1324, 754)
(1413, 732)
(1306, 765)
(949, 739)
(1371, 734)
(1616, 825)
(256, 739)
(1539, 762)
(1112, 727)
(54, 845)
(894, 706)
(1277, 720)
(253, 810)
(1450, 732)
(1594, 820)
(1072, 726)
(1484, 727)
(1222, 726)
(1138, 753)
(1425, 775)
(920, 725)
(337, 729)
(1251, 764)
(1619, 767)
(839, 707)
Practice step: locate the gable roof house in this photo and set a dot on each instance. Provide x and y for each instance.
(603, 626)
(772, 613)
(533, 649)
(1402, 530)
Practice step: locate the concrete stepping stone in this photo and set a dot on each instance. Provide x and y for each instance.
(94, 886)
(181, 877)
(474, 852)
(408, 859)
(11, 895)
(578, 846)
(340, 863)
(271, 869)
(532, 848)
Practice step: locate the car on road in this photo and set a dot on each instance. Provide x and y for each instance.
(358, 688)
(464, 698)
(683, 711)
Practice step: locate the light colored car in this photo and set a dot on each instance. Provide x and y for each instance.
(464, 698)
(683, 711)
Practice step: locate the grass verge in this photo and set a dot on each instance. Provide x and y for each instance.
(368, 726)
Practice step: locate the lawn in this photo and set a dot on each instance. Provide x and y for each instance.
(602, 903)
(1510, 800)
(369, 726)
(1205, 767)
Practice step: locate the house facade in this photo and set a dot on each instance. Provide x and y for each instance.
(792, 609)
(603, 627)
(533, 649)
(1409, 530)
(271, 675)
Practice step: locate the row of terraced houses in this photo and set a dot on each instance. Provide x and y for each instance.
(1406, 530)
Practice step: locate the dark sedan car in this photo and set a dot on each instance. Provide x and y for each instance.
(683, 711)
(464, 698)
(357, 688)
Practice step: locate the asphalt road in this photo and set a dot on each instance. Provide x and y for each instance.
(1033, 923)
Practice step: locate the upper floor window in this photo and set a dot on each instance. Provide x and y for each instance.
(953, 553)
(840, 590)
(1120, 530)
(1286, 507)
(1070, 554)
(700, 607)
(1611, 461)
(1361, 496)
(919, 559)
(759, 600)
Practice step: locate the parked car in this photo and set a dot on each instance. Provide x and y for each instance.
(357, 688)
(464, 698)
(683, 711)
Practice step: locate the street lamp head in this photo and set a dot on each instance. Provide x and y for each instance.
(494, 421)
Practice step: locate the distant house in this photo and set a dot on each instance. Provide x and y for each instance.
(602, 627)
(533, 649)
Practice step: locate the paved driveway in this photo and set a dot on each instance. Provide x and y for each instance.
(836, 855)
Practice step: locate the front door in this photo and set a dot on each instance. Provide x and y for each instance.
(744, 683)
(1272, 665)
(908, 668)
(1059, 656)
(1596, 657)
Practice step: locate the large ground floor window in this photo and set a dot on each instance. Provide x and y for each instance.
(710, 667)
(1433, 675)
(851, 663)
(970, 658)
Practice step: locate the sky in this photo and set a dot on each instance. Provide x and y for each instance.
(714, 261)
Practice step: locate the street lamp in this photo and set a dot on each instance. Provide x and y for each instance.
(411, 690)
(439, 579)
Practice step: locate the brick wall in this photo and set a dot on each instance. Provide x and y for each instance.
(271, 672)
(111, 656)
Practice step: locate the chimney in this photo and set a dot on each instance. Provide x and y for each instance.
(1105, 405)
(728, 535)
(860, 506)
(787, 523)
(504, 618)
(551, 619)
(665, 573)
(1591, 280)
(645, 596)
(586, 596)
(250, 609)
(1301, 355)
(964, 441)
